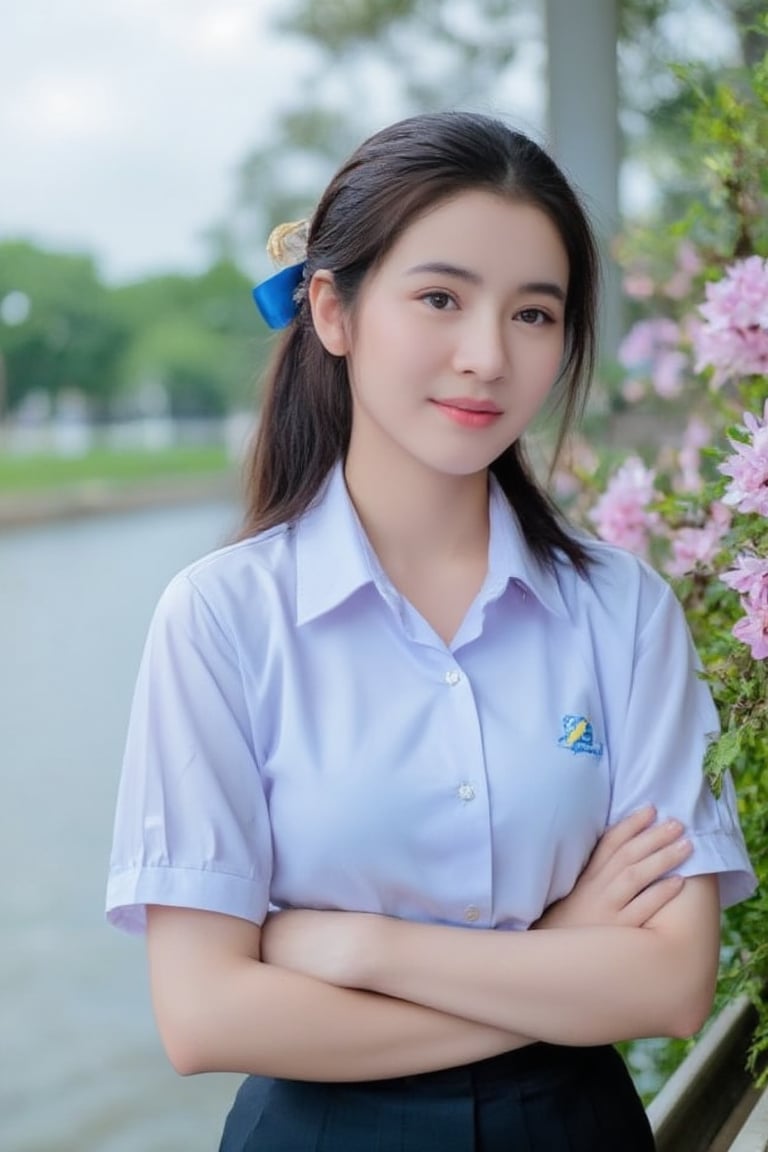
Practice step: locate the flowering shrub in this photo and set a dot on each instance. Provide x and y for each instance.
(734, 336)
(750, 578)
(622, 515)
(697, 507)
(748, 466)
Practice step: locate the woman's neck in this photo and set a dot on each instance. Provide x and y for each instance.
(416, 517)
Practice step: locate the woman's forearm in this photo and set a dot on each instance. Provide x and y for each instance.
(582, 986)
(219, 1008)
(570, 986)
(267, 1021)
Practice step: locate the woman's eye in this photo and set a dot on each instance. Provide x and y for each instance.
(534, 316)
(438, 300)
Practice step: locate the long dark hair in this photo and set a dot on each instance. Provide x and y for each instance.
(390, 180)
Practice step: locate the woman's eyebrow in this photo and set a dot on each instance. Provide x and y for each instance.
(439, 268)
(544, 288)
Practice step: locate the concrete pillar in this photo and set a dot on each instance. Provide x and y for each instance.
(583, 127)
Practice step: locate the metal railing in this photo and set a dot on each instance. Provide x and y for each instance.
(753, 1137)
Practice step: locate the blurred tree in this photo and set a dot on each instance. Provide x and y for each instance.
(658, 102)
(58, 329)
(197, 340)
(193, 340)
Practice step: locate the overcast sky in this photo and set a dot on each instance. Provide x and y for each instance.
(122, 122)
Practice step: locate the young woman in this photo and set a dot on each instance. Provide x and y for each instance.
(412, 715)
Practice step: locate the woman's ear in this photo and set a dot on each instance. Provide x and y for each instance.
(327, 313)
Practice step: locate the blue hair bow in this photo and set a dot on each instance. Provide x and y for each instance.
(276, 297)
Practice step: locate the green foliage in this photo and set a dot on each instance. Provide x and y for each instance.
(652, 1062)
(71, 335)
(708, 145)
(21, 474)
(729, 128)
(195, 336)
(341, 23)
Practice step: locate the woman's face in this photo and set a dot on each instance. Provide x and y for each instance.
(458, 336)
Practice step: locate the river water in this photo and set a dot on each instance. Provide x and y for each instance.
(81, 1068)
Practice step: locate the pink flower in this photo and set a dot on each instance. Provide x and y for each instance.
(752, 630)
(667, 376)
(692, 547)
(697, 433)
(750, 579)
(644, 339)
(650, 350)
(621, 514)
(748, 468)
(734, 336)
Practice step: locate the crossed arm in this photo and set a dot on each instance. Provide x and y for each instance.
(348, 996)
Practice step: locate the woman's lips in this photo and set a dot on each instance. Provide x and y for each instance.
(469, 412)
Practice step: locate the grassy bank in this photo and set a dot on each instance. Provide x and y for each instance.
(36, 474)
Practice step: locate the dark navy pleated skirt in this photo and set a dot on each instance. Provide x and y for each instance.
(542, 1098)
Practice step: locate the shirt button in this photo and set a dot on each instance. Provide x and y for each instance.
(471, 913)
(452, 677)
(466, 792)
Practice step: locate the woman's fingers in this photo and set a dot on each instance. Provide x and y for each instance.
(650, 901)
(635, 877)
(648, 842)
(626, 881)
(621, 834)
(633, 842)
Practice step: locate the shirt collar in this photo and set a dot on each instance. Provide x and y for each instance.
(331, 560)
(510, 557)
(334, 559)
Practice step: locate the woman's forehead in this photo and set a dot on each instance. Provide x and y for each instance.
(485, 235)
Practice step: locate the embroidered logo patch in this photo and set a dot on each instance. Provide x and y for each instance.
(578, 736)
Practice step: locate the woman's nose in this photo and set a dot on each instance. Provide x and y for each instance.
(481, 349)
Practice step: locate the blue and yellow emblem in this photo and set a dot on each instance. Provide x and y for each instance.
(578, 736)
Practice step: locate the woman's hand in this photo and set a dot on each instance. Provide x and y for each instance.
(621, 885)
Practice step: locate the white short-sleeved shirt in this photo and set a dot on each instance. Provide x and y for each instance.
(301, 737)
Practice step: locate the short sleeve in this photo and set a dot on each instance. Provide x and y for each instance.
(670, 719)
(191, 825)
